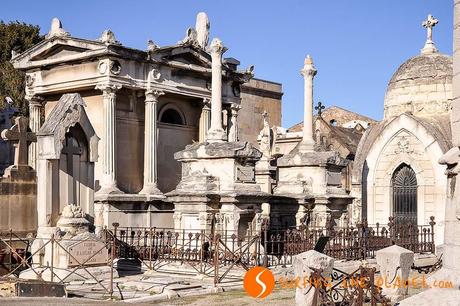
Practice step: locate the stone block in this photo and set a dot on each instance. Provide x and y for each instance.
(395, 263)
(303, 264)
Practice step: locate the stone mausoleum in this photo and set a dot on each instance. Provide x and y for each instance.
(396, 169)
(144, 106)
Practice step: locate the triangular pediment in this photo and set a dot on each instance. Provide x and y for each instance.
(54, 49)
(58, 51)
(189, 55)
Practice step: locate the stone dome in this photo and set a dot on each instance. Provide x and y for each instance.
(421, 86)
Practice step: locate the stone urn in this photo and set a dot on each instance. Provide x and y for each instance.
(73, 221)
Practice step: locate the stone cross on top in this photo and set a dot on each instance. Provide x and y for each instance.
(21, 138)
(429, 24)
(320, 108)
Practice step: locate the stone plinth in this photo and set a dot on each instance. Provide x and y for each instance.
(395, 263)
(136, 210)
(218, 187)
(314, 180)
(303, 264)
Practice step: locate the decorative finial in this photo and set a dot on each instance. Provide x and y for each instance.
(108, 38)
(56, 29)
(429, 24)
(151, 46)
(308, 67)
(202, 30)
(320, 108)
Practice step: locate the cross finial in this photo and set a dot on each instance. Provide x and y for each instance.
(21, 139)
(320, 108)
(429, 24)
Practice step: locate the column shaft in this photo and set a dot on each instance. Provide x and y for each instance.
(150, 142)
(216, 132)
(205, 120)
(308, 72)
(36, 104)
(109, 182)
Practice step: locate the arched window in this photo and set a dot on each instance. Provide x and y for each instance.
(404, 185)
(172, 116)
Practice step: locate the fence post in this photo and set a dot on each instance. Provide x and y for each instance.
(432, 223)
(265, 226)
(216, 259)
(52, 258)
(112, 257)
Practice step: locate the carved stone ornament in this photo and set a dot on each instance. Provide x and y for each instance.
(102, 67)
(115, 67)
(151, 46)
(108, 37)
(452, 160)
(190, 38)
(404, 146)
(154, 74)
(30, 80)
(72, 211)
(56, 29)
(236, 89)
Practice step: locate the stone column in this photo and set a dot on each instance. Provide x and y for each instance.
(308, 71)
(36, 104)
(233, 122)
(150, 142)
(205, 120)
(216, 133)
(109, 181)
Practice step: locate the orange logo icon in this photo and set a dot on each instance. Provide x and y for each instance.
(259, 282)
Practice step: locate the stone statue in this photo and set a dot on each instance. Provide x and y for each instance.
(265, 138)
(190, 38)
(202, 30)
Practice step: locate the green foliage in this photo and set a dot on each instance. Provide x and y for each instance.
(17, 36)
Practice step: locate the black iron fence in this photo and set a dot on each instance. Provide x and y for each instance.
(269, 247)
(216, 253)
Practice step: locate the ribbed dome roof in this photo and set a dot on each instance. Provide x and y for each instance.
(422, 79)
(423, 69)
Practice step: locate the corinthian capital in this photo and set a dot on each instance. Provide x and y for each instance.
(217, 47)
(108, 89)
(308, 69)
(35, 100)
(152, 95)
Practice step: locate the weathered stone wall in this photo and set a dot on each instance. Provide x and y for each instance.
(18, 203)
(258, 96)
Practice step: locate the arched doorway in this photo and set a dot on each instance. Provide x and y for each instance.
(404, 189)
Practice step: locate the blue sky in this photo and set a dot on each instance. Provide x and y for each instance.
(356, 44)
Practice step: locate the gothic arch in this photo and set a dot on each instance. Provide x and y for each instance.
(404, 196)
